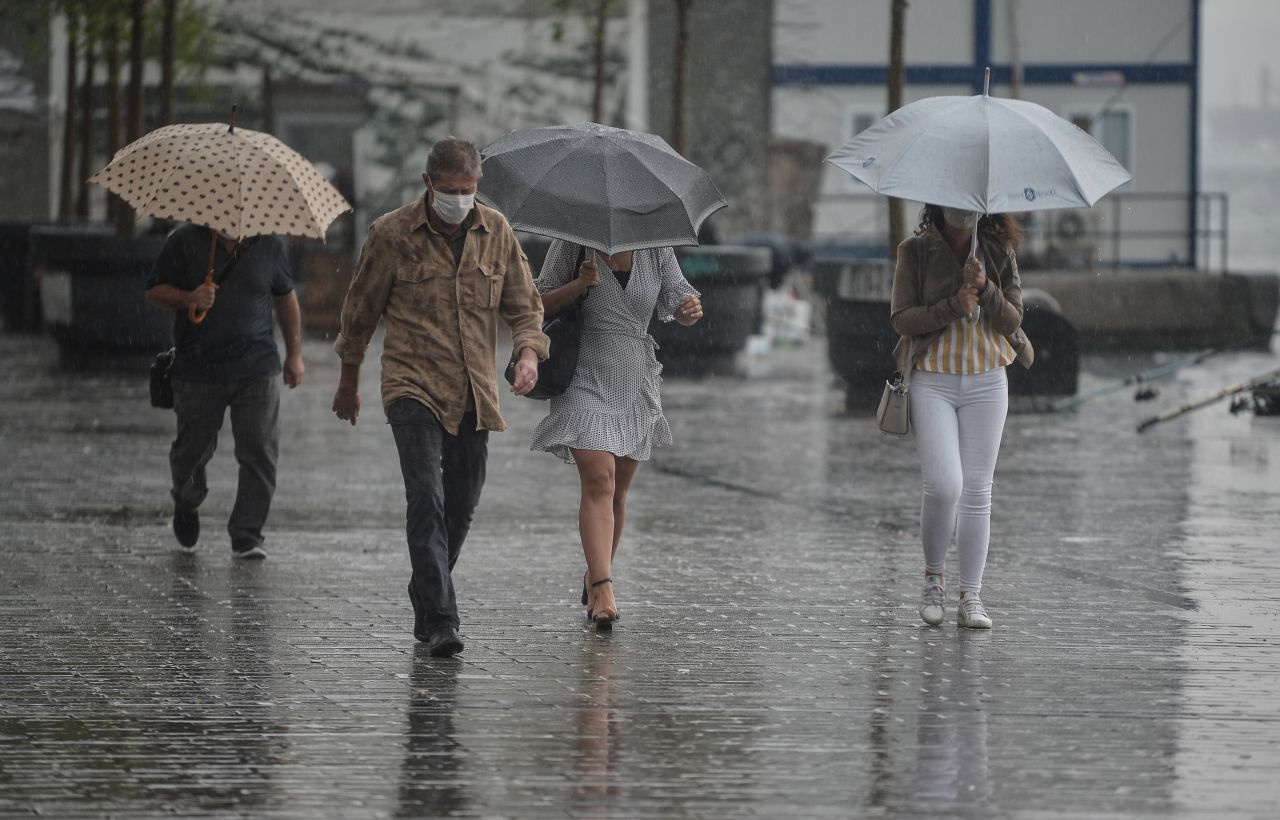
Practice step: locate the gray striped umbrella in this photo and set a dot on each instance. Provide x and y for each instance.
(236, 181)
(606, 188)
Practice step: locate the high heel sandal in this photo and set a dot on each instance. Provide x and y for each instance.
(584, 587)
(603, 619)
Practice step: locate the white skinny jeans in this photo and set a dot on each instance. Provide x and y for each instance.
(957, 422)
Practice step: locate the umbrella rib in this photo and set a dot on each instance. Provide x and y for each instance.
(1058, 150)
(567, 152)
(920, 134)
(306, 201)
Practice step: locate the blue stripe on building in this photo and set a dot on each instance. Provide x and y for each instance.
(971, 75)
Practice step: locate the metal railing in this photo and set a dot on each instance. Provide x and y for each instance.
(1104, 236)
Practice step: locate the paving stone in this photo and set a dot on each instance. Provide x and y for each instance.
(769, 662)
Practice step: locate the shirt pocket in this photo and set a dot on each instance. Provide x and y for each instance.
(422, 285)
(484, 286)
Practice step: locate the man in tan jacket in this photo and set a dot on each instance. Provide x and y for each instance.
(439, 272)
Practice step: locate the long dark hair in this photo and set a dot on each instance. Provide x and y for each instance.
(1000, 230)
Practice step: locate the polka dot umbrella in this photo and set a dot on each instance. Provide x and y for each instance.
(238, 182)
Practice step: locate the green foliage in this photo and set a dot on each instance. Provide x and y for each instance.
(588, 10)
(93, 19)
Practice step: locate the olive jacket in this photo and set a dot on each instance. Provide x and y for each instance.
(924, 302)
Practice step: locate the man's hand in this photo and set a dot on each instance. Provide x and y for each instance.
(690, 310)
(526, 373)
(346, 404)
(293, 370)
(202, 297)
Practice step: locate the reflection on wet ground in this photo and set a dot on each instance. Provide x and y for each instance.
(769, 663)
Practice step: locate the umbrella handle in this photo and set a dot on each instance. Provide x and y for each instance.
(973, 251)
(194, 314)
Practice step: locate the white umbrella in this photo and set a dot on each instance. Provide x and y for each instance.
(983, 154)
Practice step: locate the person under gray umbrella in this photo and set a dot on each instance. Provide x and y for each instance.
(615, 201)
(610, 418)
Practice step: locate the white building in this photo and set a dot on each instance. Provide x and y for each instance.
(1124, 70)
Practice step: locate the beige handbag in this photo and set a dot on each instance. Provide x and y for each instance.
(893, 417)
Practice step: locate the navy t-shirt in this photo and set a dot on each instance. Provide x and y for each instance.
(236, 340)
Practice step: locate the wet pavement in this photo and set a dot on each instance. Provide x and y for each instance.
(769, 661)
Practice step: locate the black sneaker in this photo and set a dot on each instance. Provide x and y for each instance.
(445, 642)
(186, 526)
(250, 552)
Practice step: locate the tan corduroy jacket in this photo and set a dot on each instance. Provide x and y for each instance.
(924, 300)
(441, 317)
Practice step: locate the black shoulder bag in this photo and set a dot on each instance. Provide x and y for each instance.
(564, 329)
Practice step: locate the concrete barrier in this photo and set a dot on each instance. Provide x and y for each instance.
(1162, 308)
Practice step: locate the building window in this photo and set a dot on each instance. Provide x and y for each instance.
(860, 118)
(1114, 129)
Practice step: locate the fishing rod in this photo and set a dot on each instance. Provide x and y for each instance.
(1153, 374)
(1256, 381)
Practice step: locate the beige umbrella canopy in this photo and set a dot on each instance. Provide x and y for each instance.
(238, 182)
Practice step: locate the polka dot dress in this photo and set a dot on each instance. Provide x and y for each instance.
(613, 403)
(237, 181)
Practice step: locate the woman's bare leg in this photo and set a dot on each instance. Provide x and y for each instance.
(624, 470)
(597, 472)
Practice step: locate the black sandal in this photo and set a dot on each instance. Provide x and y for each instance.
(584, 587)
(604, 620)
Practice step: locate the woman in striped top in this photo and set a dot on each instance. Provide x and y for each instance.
(960, 320)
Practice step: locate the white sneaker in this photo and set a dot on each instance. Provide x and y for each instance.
(931, 601)
(972, 614)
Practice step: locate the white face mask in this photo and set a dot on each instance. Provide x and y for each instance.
(452, 208)
(959, 218)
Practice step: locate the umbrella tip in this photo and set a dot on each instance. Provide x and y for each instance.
(986, 82)
(232, 129)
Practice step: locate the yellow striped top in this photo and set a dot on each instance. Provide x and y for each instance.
(967, 349)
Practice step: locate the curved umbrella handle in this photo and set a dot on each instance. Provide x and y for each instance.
(194, 314)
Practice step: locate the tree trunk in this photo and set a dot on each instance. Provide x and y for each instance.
(133, 121)
(597, 103)
(897, 72)
(112, 47)
(168, 50)
(69, 123)
(86, 132)
(677, 96)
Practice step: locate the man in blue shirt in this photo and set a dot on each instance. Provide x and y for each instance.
(228, 360)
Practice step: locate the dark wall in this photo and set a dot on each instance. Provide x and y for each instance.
(24, 123)
(727, 99)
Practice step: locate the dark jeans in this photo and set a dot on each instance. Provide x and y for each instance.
(255, 425)
(443, 476)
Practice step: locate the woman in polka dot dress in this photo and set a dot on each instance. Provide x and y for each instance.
(611, 416)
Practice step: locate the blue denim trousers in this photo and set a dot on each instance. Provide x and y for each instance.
(201, 408)
(443, 476)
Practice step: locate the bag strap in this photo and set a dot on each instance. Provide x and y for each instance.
(220, 275)
(582, 257)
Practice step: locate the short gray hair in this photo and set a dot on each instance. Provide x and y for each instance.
(453, 156)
